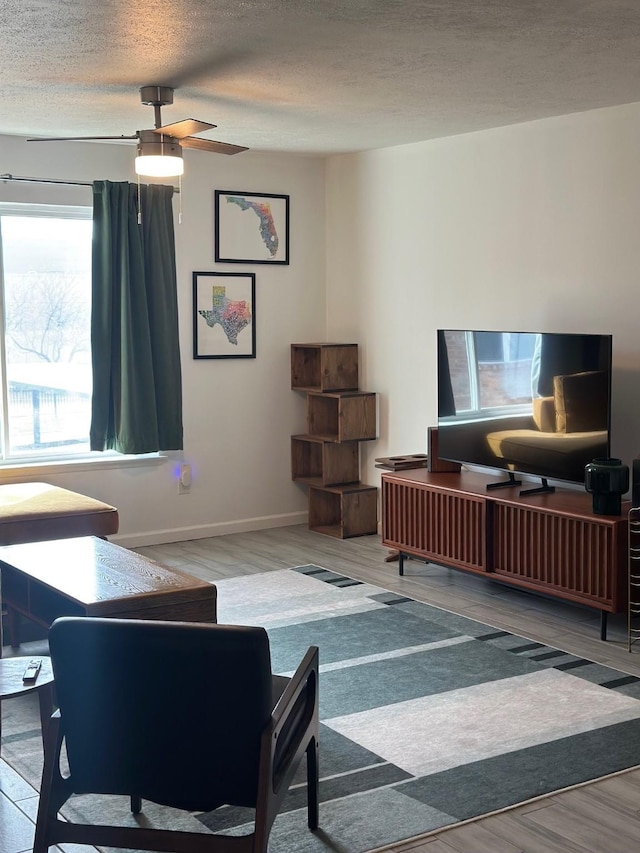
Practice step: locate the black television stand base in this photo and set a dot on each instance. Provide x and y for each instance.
(538, 490)
(503, 484)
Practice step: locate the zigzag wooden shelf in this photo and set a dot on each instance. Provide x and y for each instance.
(327, 458)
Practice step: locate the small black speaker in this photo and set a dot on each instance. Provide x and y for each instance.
(635, 483)
(607, 479)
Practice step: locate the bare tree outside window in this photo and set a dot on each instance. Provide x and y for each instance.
(47, 318)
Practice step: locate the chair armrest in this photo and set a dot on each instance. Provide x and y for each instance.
(291, 731)
(307, 667)
(294, 720)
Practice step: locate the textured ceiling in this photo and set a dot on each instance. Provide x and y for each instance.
(317, 76)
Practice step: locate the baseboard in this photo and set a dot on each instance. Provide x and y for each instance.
(204, 531)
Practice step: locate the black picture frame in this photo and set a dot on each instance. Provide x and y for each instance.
(251, 228)
(224, 315)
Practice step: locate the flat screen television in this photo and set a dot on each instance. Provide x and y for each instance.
(524, 402)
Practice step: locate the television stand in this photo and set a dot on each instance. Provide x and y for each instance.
(503, 484)
(539, 490)
(550, 542)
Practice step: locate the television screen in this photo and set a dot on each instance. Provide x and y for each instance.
(525, 402)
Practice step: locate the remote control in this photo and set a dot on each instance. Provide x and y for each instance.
(32, 670)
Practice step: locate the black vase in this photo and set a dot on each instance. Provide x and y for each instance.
(607, 480)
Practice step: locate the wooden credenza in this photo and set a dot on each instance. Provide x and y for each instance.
(548, 543)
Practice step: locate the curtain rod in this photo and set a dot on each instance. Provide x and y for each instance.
(44, 181)
(8, 177)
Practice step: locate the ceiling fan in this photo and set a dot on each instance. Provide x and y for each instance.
(160, 149)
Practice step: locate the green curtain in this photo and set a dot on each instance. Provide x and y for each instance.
(137, 388)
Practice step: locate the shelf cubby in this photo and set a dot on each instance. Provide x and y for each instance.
(342, 416)
(343, 510)
(324, 367)
(321, 463)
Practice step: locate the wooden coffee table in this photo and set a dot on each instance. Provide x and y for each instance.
(89, 576)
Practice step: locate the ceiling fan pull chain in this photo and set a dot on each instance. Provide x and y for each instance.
(180, 201)
(139, 203)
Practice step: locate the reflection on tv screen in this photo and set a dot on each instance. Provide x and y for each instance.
(534, 403)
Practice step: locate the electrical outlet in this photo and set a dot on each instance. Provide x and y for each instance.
(184, 481)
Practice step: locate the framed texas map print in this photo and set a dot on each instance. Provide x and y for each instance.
(224, 315)
(251, 228)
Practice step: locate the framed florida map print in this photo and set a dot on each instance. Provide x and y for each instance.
(251, 228)
(224, 309)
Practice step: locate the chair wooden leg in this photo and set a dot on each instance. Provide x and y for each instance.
(313, 784)
(47, 810)
(136, 804)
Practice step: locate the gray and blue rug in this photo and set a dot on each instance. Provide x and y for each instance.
(427, 718)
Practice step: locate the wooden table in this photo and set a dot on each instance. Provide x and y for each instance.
(88, 576)
(11, 684)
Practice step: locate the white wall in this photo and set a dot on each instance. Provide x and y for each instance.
(531, 227)
(534, 227)
(238, 413)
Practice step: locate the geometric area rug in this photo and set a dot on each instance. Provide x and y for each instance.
(427, 718)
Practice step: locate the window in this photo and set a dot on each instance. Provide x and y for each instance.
(45, 344)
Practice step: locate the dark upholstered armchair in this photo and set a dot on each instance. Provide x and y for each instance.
(186, 715)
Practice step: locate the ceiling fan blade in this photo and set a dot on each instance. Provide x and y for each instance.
(210, 145)
(184, 128)
(77, 138)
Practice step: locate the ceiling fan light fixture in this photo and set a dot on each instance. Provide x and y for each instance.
(158, 156)
(159, 166)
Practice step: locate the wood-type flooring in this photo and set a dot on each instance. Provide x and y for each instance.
(601, 817)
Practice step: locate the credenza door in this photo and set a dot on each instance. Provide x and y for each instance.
(439, 525)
